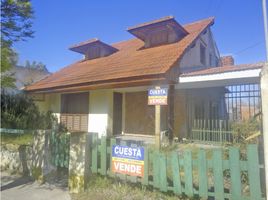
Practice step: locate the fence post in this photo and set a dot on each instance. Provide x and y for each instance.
(254, 172)
(156, 169)
(94, 151)
(202, 174)
(103, 156)
(40, 156)
(218, 174)
(176, 173)
(145, 180)
(163, 172)
(235, 173)
(188, 171)
(78, 169)
(112, 142)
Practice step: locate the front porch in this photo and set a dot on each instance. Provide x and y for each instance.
(201, 108)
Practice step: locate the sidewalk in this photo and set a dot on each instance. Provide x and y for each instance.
(15, 187)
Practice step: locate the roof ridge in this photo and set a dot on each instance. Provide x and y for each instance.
(133, 38)
(198, 21)
(242, 64)
(165, 18)
(223, 69)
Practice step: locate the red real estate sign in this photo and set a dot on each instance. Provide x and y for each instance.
(158, 96)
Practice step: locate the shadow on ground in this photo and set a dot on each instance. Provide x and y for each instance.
(15, 183)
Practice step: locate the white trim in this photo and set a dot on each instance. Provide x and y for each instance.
(219, 79)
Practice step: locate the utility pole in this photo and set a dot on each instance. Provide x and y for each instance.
(264, 97)
(264, 8)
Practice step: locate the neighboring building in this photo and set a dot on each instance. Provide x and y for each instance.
(106, 92)
(26, 76)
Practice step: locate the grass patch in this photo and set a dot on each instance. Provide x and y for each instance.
(17, 139)
(104, 188)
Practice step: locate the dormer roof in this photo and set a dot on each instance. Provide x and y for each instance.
(142, 31)
(86, 46)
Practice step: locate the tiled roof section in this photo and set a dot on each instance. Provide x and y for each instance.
(223, 69)
(130, 61)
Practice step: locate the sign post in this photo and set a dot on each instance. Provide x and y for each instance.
(157, 126)
(158, 96)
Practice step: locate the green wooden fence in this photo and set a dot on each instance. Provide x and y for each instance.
(218, 173)
(59, 149)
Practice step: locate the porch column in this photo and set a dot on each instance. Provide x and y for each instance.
(40, 155)
(157, 126)
(79, 169)
(171, 95)
(264, 100)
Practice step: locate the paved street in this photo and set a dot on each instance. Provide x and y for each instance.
(15, 187)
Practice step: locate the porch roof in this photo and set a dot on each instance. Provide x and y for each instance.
(131, 65)
(221, 76)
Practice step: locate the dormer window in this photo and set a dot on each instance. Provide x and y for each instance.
(160, 37)
(93, 52)
(94, 48)
(202, 54)
(163, 31)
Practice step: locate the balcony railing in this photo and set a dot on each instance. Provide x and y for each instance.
(75, 122)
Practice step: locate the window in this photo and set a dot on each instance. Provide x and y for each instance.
(76, 103)
(74, 111)
(243, 102)
(94, 52)
(210, 60)
(199, 110)
(202, 54)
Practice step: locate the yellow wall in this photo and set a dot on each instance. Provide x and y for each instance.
(138, 116)
(50, 103)
(101, 112)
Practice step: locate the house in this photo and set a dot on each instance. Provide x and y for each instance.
(106, 91)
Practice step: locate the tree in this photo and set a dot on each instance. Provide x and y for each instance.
(36, 65)
(16, 25)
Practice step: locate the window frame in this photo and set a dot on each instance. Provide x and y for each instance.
(202, 54)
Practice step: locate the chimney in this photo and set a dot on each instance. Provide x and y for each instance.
(226, 60)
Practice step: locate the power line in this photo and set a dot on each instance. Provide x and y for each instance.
(249, 47)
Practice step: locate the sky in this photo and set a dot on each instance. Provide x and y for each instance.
(238, 28)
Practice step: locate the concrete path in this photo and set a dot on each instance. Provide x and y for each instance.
(22, 188)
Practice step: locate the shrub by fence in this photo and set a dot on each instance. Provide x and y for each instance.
(217, 173)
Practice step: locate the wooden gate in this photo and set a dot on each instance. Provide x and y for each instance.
(59, 149)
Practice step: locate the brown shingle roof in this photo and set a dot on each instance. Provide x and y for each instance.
(223, 69)
(131, 61)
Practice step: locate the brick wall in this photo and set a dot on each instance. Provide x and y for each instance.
(227, 60)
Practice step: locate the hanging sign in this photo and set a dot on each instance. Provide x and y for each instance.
(158, 96)
(128, 160)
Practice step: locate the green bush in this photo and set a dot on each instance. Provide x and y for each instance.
(245, 128)
(18, 111)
